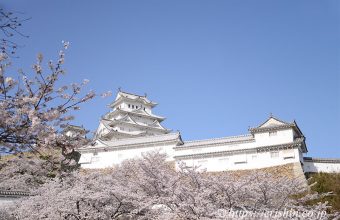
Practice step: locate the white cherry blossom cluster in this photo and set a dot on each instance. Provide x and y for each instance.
(34, 107)
(150, 188)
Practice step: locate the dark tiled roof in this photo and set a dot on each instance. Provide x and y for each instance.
(275, 118)
(271, 128)
(132, 97)
(74, 128)
(12, 193)
(321, 160)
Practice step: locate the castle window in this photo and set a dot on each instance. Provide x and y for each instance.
(223, 160)
(274, 154)
(272, 133)
(240, 162)
(129, 105)
(202, 162)
(288, 154)
(197, 150)
(95, 159)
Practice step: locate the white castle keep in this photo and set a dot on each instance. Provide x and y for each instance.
(130, 129)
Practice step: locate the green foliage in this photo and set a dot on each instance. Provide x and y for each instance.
(327, 182)
(51, 175)
(45, 157)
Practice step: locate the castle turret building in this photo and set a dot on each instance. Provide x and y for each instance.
(130, 116)
(131, 129)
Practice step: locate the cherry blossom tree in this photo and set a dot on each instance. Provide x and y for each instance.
(34, 109)
(29, 172)
(150, 188)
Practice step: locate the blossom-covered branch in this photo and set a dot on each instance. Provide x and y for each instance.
(35, 110)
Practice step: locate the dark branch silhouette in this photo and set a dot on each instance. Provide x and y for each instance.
(10, 24)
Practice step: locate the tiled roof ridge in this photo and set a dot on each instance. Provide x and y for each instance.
(132, 94)
(169, 134)
(151, 115)
(175, 134)
(220, 138)
(277, 119)
(106, 125)
(139, 114)
(317, 159)
(109, 128)
(134, 97)
(125, 116)
(14, 193)
(134, 140)
(75, 126)
(272, 127)
(121, 120)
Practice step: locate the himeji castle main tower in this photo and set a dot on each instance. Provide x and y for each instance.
(131, 129)
(131, 116)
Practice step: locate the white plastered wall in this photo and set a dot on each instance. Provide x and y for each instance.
(245, 161)
(110, 158)
(317, 167)
(274, 138)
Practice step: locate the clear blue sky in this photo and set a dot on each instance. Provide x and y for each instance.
(214, 67)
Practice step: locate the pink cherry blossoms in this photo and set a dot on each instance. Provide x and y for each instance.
(35, 109)
(149, 188)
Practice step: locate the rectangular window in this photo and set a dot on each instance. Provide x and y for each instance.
(95, 153)
(274, 154)
(95, 159)
(240, 158)
(224, 160)
(241, 162)
(197, 150)
(129, 105)
(202, 162)
(272, 133)
(288, 154)
(287, 158)
(254, 157)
